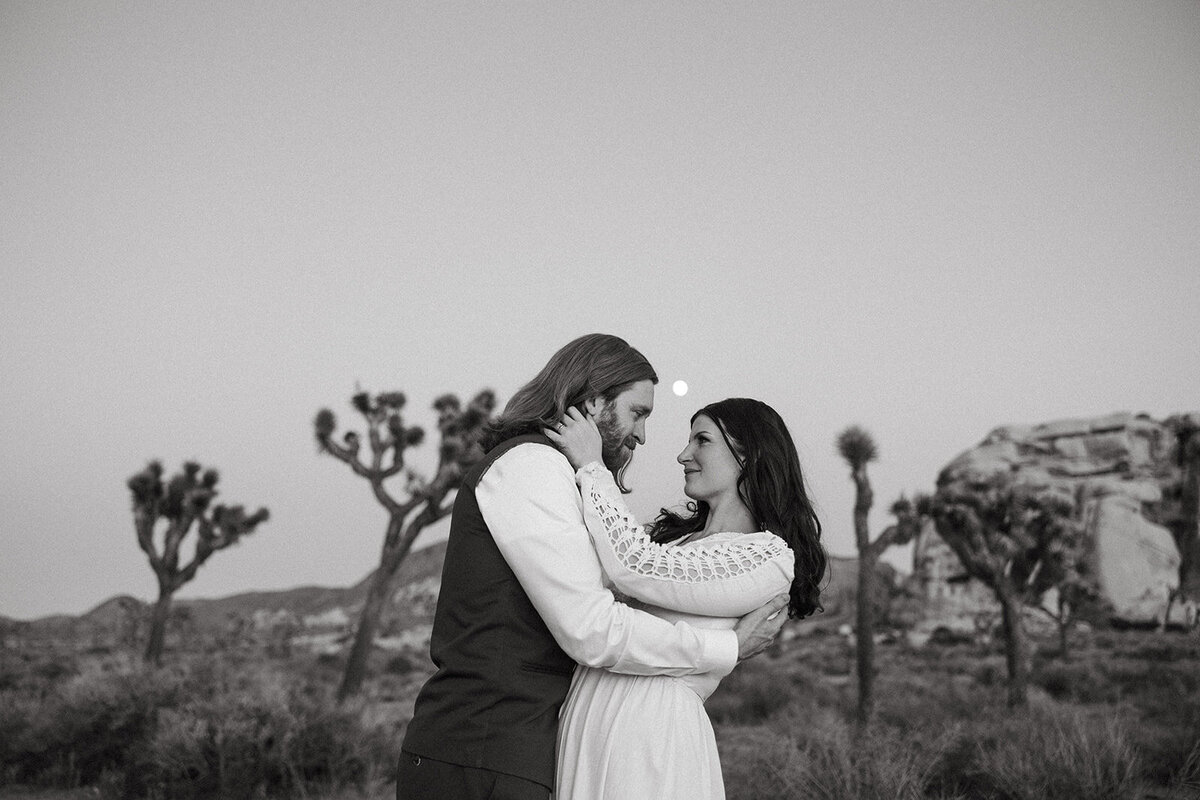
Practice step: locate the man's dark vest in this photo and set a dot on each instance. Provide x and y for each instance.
(501, 677)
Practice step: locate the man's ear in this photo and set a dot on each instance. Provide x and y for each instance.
(592, 406)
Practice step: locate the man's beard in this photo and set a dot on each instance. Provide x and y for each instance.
(616, 455)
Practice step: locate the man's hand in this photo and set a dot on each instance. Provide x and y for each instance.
(758, 629)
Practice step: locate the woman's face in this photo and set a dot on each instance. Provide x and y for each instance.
(710, 469)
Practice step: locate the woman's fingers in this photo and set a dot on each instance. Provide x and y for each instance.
(574, 416)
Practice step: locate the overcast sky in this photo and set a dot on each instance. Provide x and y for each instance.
(929, 219)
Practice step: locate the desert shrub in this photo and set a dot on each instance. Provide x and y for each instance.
(15, 715)
(1109, 639)
(1080, 682)
(946, 637)
(56, 669)
(758, 690)
(257, 733)
(817, 757)
(880, 766)
(191, 731)
(745, 704)
(271, 745)
(1167, 693)
(1163, 649)
(91, 727)
(1177, 678)
(1049, 753)
(1186, 776)
(10, 676)
(399, 664)
(332, 661)
(1169, 740)
(759, 763)
(990, 673)
(1104, 726)
(913, 699)
(36, 673)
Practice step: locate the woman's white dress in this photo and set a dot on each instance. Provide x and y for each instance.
(642, 737)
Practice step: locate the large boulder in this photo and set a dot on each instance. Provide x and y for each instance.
(1128, 477)
(951, 601)
(1135, 561)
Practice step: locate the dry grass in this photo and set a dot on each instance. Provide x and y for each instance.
(195, 729)
(1097, 727)
(1120, 719)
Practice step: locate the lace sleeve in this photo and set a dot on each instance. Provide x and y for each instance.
(722, 579)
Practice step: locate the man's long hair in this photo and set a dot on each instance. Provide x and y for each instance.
(772, 487)
(594, 365)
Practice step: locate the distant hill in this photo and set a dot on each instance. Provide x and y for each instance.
(120, 619)
(317, 617)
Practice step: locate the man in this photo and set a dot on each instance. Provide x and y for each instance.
(522, 598)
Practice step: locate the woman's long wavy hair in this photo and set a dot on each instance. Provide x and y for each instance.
(594, 365)
(772, 487)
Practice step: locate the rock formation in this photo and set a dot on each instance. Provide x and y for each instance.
(949, 599)
(1130, 479)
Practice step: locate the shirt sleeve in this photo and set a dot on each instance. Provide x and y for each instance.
(728, 578)
(529, 501)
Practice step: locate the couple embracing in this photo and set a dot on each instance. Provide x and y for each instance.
(575, 648)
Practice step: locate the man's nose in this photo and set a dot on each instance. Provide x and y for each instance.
(639, 432)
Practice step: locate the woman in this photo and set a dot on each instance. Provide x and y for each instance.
(749, 534)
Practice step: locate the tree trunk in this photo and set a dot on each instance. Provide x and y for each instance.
(1188, 536)
(368, 625)
(864, 634)
(158, 627)
(395, 550)
(1016, 650)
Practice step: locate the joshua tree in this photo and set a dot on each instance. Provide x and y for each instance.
(1187, 529)
(1181, 510)
(858, 448)
(1190, 494)
(425, 500)
(183, 502)
(1078, 595)
(1020, 540)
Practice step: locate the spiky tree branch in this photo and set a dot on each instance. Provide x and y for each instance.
(857, 447)
(906, 528)
(425, 500)
(181, 504)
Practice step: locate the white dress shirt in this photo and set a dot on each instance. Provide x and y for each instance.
(530, 502)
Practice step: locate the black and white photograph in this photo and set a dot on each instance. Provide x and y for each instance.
(524, 400)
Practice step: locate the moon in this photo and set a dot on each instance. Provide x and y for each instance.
(679, 388)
